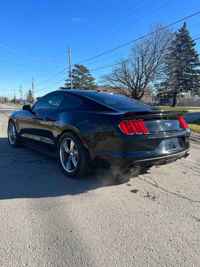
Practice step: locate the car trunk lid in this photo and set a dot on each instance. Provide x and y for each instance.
(157, 121)
(164, 132)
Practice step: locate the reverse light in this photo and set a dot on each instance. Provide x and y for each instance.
(130, 127)
(182, 122)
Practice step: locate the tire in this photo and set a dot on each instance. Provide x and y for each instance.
(13, 137)
(73, 156)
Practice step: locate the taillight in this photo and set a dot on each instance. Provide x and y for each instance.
(130, 127)
(182, 122)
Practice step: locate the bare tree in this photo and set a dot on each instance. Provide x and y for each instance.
(144, 65)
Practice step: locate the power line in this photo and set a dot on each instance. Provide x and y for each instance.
(129, 43)
(138, 18)
(105, 66)
(69, 70)
(64, 70)
(133, 11)
(39, 89)
(116, 64)
(139, 38)
(98, 68)
(44, 89)
(53, 76)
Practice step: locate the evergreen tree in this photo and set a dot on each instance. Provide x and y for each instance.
(30, 97)
(14, 99)
(81, 78)
(182, 64)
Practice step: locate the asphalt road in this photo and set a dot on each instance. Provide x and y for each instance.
(47, 219)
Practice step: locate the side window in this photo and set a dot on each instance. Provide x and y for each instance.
(50, 101)
(72, 102)
(40, 104)
(55, 101)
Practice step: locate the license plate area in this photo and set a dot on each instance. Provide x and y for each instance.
(171, 145)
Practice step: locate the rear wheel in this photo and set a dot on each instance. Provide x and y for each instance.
(73, 156)
(13, 137)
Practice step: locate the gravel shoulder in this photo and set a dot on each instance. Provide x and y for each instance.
(47, 219)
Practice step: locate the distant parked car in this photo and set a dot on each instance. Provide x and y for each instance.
(83, 126)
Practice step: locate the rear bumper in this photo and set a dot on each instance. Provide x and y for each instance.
(163, 159)
(124, 162)
(151, 149)
(147, 152)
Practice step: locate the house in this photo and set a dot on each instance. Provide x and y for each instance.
(147, 97)
(115, 90)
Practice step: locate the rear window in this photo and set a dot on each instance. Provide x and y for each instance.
(119, 102)
(74, 102)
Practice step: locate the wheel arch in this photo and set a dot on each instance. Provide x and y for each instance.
(77, 134)
(14, 120)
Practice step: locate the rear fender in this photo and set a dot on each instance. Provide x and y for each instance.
(75, 131)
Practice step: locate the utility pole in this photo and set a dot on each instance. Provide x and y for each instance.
(21, 93)
(70, 66)
(33, 86)
(14, 99)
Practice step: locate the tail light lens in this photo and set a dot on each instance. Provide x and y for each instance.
(182, 122)
(130, 127)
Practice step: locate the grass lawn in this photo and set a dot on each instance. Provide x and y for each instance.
(180, 109)
(195, 128)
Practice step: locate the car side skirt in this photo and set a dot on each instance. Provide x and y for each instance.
(38, 138)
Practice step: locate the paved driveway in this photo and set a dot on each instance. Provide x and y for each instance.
(47, 219)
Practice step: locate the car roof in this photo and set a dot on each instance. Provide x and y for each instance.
(117, 102)
(81, 91)
(86, 92)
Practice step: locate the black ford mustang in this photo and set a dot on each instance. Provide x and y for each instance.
(84, 126)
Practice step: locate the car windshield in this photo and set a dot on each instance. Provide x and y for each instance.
(119, 102)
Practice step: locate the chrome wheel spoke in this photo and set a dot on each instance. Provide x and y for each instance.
(66, 147)
(72, 146)
(74, 160)
(69, 155)
(69, 164)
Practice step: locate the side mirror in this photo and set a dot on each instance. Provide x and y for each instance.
(27, 107)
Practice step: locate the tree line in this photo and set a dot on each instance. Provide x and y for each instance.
(28, 98)
(164, 60)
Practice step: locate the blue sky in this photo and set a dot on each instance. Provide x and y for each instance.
(35, 35)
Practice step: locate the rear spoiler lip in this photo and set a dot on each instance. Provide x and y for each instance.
(148, 115)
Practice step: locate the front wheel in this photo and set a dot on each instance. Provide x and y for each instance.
(73, 156)
(13, 137)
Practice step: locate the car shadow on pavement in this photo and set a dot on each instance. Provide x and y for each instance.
(25, 173)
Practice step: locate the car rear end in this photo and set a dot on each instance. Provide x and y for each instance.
(128, 132)
(153, 138)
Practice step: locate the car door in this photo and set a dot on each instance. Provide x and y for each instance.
(41, 125)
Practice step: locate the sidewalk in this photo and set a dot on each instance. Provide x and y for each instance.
(195, 137)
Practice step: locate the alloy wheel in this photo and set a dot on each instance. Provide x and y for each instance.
(12, 134)
(69, 155)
